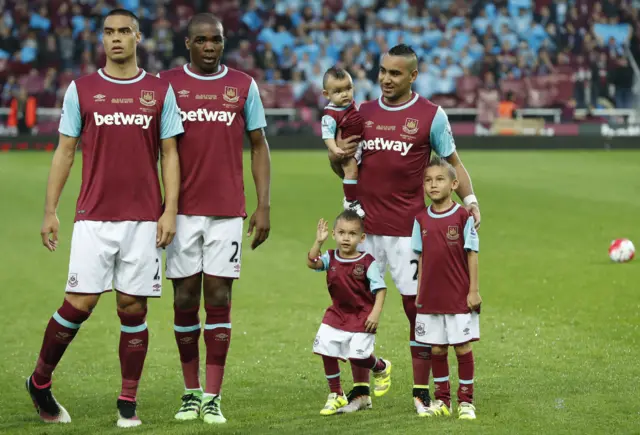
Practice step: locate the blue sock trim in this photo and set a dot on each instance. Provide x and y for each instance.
(133, 329)
(186, 328)
(58, 318)
(333, 376)
(349, 181)
(465, 382)
(217, 325)
(445, 379)
(416, 344)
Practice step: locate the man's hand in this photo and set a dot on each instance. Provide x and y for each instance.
(474, 210)
(349, 145)
(323, 231)
(166, 229)
(474, 300)
(371, 324)
(261, 222)
(49, 231)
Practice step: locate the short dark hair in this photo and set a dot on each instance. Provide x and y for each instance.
(124, 13)
(349, 216)
(402, 50)
(202, 18)
(439, 161)
(334, 72)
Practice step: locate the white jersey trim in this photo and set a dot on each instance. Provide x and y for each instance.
(409, 103)
(215, 76)
(443, 215)
(122, 82)
(347, 260)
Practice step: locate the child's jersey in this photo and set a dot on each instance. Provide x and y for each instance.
(444, 239)
(352, 284)
(348, 119)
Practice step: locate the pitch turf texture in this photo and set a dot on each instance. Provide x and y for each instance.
(560, 323)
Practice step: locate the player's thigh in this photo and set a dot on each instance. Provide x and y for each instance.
(361, 345)
(184, 254)
(374, 245)
(94, 246)
(138, 269)
(222, 249)
(332, 342)
(463, 328)
(431, 329)
(403, 264)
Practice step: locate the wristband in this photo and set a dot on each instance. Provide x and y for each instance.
(470, 199)
(315, 260)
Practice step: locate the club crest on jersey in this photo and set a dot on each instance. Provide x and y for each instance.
(231, 94)
(410, 126)
(452, 232)
(148, 98)
(358, 270)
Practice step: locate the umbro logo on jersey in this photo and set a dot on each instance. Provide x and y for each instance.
(183, 93)
(379, 144)
(119, 118)
(204, 115)
(99, 98)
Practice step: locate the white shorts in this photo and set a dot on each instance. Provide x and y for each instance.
(441, 329)
(402, 260)
(120, 255)
(342, 344)
(212, 245)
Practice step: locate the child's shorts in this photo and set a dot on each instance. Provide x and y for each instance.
(443, 329)
(342, 344)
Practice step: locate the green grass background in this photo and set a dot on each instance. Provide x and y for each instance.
(560, 323)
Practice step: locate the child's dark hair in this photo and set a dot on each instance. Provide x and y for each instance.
(439, 161)
(334, 72)
(349, 216)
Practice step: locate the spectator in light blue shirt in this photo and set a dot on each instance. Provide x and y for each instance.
(522, 22)
(459, 39)
(506, 35)
(40, 20)
(481, 22)
(281, 39)
(251, 18)
(535, 35)
(502, 19)
(390, 14)
(453, 70)
(424, 84)
(515, 6)
(444, 85)
(476, 50)
(298, 85)
(466, 60)
(433, 35)
(437, 64)
(443, 51)
(457, 21)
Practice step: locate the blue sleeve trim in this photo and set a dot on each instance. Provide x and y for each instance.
(441, 135)
(471, 240)
(416, 237)
(376, 281)
(253, 109)
(171, 121)
(71, 119)
(329, 127)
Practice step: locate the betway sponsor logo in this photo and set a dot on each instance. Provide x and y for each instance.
(379, 144)
(119, 118)
(203, 115)
(629, 130)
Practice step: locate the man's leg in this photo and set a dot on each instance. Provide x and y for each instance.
(134, 343)
(217, 338)
(61, 330)
(187, 328)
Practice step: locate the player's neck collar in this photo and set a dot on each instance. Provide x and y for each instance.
(222, 71)
(393, 108)
(134, 79)
(348, 260)
(443, 214)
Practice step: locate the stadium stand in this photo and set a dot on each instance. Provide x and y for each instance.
(565, 55)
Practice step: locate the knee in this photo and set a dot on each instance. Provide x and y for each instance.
(439, 350)
(82, 302)
(131, 304)
(186, 296)
(217, 291)
(463, 349)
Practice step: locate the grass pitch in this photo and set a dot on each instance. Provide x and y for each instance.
(560, 323)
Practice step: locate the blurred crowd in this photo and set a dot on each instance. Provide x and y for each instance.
(287, 45)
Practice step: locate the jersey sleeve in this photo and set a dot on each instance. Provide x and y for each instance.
(376, 281)
(253, 109)
(325, 262)
(441, 136)
(329, 127)
(416, 237)
(70, 119)
(171, 121)
(471, 240)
